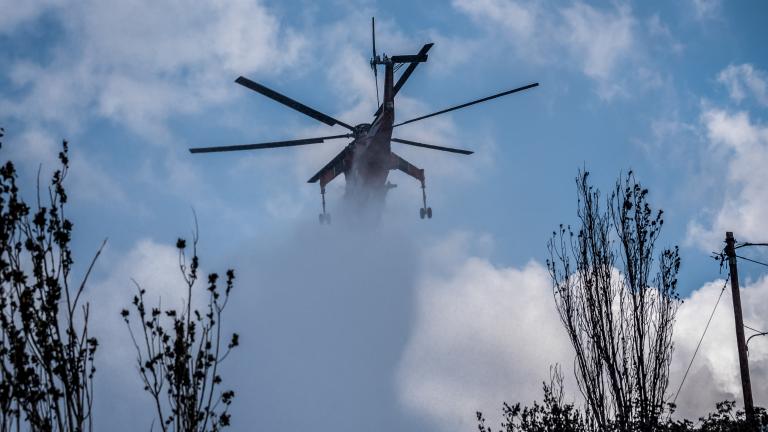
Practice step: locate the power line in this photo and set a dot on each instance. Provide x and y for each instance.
(751, 260)
(755, 335)
(701, 338)
(750, 244)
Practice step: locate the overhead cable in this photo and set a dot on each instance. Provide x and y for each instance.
(701, 338)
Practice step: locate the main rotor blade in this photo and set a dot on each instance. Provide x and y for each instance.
(407, 73)
(266, 145)
(433, 147)
(285, 100)
(373, 36)
(374, 66)
(468, 104)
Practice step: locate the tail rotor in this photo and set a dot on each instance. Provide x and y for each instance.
(375, 60)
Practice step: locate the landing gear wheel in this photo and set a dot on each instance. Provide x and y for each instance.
(328, 218)
(325, 218)
(422, 212)
(321, 217)
(429, 212)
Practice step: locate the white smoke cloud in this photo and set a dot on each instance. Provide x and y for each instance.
(322, 314)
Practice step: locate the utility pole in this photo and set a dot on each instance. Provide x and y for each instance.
(746, 385)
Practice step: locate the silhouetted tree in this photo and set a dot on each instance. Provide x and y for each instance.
(179, 353)
(617, 302)
(46, 351)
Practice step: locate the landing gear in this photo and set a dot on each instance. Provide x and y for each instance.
(424, 211)
(324, 217)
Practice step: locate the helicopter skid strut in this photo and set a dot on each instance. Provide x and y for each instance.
(325, 218)
(424, 211)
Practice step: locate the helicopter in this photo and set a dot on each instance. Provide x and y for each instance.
(367, 159)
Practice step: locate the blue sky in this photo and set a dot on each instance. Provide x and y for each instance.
(676, 91)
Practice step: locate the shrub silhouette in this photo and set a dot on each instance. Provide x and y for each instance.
(179, 352)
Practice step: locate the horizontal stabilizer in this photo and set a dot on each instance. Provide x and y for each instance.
(332, 169)
(403, 165)
(418, 58)
(406, 74)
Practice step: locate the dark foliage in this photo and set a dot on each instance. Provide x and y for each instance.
(554, 415)
(46, 351)
(179, 353)
(724, 419)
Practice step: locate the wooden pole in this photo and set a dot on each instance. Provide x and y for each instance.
(746, 385)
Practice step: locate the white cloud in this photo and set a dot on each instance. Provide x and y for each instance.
(743, 144)
(35, 148)
(704, 9)
(745, 80)
(138, 63)
(17, 13)
(519, 18)
(601, 42)
(599, 39)
(658, 29)
(714, 375)
(483, 335)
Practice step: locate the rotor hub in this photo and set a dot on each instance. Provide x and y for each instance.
(362, 129)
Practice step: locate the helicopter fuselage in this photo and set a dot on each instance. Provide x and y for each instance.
(368, 158)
